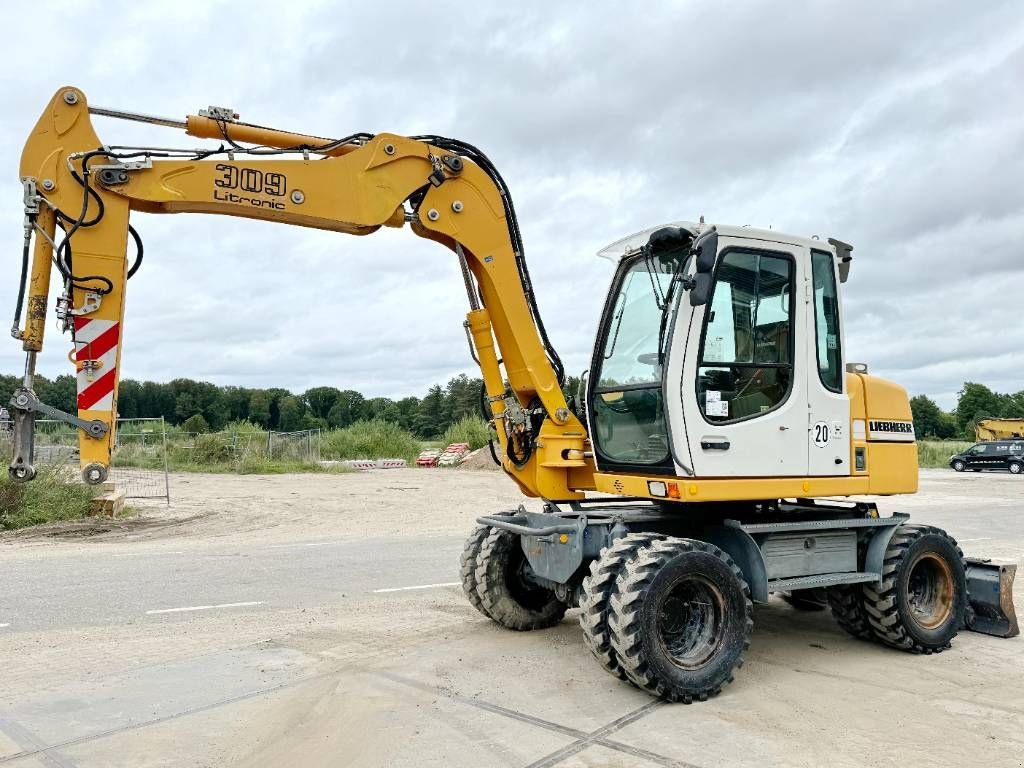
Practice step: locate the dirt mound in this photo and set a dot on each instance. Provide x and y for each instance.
(479, 460)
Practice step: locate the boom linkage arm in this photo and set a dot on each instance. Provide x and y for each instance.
(445, 190)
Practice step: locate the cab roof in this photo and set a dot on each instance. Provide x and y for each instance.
(627, 245)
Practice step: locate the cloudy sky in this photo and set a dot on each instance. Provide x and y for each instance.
(900, 131)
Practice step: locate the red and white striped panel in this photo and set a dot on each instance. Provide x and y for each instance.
(96, 341)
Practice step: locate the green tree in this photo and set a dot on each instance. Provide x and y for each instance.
(276, 394)
(408, 407)
(259, 408)
(462, 398)
(321, 400)
(431, 417)
(196, 424)
(927, 416)
(975, 402)
(292, 410)
(347, 409)
(129, 398)
(380, 409)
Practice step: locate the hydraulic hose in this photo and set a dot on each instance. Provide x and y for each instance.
(23, 282)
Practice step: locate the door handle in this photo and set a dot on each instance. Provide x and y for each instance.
(714, 445)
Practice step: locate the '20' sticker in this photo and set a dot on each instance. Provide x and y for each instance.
(821, 434)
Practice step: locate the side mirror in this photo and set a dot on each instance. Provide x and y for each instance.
(706, 249)
(669, 245)
(700, 289)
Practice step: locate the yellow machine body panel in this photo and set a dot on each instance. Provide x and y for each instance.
(881, 431)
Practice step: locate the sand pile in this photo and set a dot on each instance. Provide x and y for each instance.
(479, 460)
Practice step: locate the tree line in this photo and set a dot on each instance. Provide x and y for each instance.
(974, 403)
(199, 406)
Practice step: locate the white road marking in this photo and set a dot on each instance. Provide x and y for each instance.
(4, 625)
(418, 586)
(309, 544)
(203, 607)
(146, 554)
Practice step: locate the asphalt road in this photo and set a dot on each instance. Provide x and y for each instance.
(74, 589)
(305, 621)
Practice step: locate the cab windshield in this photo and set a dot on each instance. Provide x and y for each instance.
(633, 345)
(627, 405)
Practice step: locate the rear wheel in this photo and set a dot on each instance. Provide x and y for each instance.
(923, 595)
(468, 564)
(508, 593)
(1016, 467)
(806, 599)
(597, 592)
(680, 619)
(847, 605)
(958, 466)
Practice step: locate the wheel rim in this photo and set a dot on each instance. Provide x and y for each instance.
(691, 622)
(958, 465)
(523, 589)
(930, 591)
(1015, 469)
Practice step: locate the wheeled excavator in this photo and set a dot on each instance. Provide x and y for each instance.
(719, 451)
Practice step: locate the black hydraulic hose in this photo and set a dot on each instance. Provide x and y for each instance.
(514, 234)
(23, 283)
(65, 266)
(138, 251)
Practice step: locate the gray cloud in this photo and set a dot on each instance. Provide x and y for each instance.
(898, 131)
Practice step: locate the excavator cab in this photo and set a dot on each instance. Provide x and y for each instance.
(725, 365)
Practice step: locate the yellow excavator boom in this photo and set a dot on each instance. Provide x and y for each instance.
(445, 190)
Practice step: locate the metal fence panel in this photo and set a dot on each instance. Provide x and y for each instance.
(146, 449)
(139, 457)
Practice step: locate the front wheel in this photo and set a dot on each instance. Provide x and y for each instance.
(1016, 468)
(958, 466)
(680, 619)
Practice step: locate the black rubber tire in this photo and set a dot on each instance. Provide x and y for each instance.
(646, 582)
(506, 597)
(847, 604)
(468, 564)
(1015, 468)
(958, 466)
(890, 607)
(806, 599)
(597, 592)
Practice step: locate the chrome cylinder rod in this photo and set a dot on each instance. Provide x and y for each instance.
(138, 118)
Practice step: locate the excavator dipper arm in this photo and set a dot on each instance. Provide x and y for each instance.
(446, 190)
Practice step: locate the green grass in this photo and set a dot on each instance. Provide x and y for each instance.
(48, 498)
(935, 453)
(369, 440)
(468, 429)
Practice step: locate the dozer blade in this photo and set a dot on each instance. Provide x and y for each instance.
(990, 588)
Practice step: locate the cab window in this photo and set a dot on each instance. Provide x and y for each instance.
(627, 403)
(826, 320)
(746, 358)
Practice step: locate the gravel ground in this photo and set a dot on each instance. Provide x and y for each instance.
(311, 620)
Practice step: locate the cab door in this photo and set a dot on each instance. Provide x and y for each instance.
(828, 444)
(744, 383)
